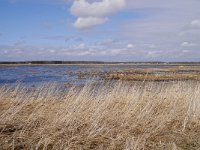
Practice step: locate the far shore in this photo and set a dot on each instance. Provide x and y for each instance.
(79, 63)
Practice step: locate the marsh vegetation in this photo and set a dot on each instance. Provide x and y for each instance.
(106, 115)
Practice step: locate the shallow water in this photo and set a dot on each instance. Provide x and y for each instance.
(38, 74)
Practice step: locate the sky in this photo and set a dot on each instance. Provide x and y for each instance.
(100, 30)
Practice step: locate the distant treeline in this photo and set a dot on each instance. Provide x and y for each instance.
(52, 62)
(90, 62)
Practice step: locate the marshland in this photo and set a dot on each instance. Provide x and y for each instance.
(99, 75)
(129, 107)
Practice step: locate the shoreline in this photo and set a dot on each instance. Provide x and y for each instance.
(114, 64)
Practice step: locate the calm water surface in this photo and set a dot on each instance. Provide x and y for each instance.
(53, 73)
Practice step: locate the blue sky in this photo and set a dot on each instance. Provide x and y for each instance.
(32, 22)
(105, 30)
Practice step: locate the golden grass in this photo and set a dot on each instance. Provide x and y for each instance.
(153, 77)
(170, 73)
(116, 116)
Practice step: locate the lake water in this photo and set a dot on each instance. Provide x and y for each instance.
(37, 74)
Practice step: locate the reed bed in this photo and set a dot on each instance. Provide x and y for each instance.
(114, 116)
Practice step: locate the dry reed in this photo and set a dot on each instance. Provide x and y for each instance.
(108, 116)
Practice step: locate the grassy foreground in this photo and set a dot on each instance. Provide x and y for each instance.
(113, 116)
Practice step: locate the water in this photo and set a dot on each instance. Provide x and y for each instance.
(37, 74)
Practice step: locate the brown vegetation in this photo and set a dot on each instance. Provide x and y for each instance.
(157, 74)
(108, 116)
(153, 77)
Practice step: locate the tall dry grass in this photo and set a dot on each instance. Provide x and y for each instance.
(108, 116)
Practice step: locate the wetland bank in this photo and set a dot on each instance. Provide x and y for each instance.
(122, 107)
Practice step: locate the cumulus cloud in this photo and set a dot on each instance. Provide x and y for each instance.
(89, 22)
(103, 8)
(150, 30)
(95, 13)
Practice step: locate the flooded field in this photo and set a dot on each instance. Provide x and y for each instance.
(79, 74)
(119, 110)
(54, 73)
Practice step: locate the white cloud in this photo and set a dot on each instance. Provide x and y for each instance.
(161, 30)
(89, 22)
(130, 46)
(170, 27)
(52, 51)
(195, 23)
(96, 13)
(81, 46)
(185, 51)
(187, 44)
(82, 8)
